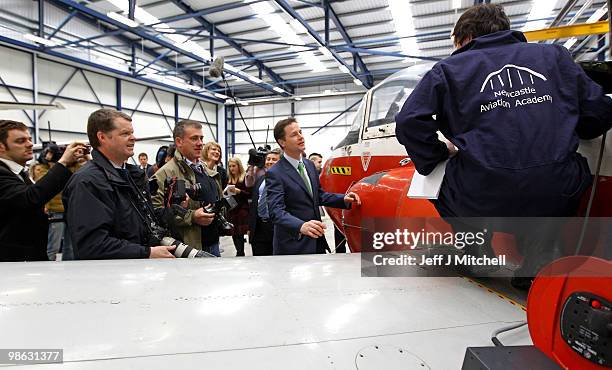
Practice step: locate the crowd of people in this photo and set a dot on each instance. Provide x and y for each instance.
(97, 205)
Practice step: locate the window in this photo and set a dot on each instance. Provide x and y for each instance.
(387, 101)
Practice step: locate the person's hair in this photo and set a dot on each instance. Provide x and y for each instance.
(179, 128)
(207, 147)
(276, 151)
(143, 155)
(480, 20)
(315, 155)
(102, 120)
(8, 125)
(241, 172)
(279, 128)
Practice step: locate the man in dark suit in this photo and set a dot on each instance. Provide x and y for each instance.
(261, 229)
(294, 196)
(143, 160)
(23, 222)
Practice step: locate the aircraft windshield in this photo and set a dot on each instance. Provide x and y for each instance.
(387, 101)
(353, 135)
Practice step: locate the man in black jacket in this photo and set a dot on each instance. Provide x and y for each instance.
(106, 212)
(23, 222)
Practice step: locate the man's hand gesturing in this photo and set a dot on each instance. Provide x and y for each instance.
(313, 229)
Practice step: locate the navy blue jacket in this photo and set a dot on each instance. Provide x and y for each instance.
(291, 205)
(516, 112)
(102, 220)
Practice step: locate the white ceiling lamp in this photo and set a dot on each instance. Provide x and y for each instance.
(221, 96)
(278, 90)
(288, 35)
(404, 26)
(244, 102)
(121, 19)
(40, 40)
(357, 82)
(539, 9)
(297, 98)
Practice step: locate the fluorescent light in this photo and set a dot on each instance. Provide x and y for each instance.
(357, 82)
(287, 34)
(297, 98)
(125, 20)
(39, 40)
(278, 90)
(221, 96)
(404, 26)
(344, 69)
(539, 9)
(456, 4)
(244, 103)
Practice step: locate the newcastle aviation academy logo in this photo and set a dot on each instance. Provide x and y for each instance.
(514, 86)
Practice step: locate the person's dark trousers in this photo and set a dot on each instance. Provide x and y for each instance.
(239, 244)
(262, 241)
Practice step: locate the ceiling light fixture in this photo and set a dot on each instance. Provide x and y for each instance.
(539, 9)
(40, 40)
(404, 26)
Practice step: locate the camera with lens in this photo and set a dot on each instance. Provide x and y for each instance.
(219, 208)
(157, 236)
(176, 192)
(257, 157)
(52, 152)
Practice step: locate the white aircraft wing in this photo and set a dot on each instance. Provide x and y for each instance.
(278, 312)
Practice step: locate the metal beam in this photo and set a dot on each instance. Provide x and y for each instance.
(569, 5)
(292, 12)
(276, 78)
(347, 39)
(337, 116)
(203, 12)
(92, 20)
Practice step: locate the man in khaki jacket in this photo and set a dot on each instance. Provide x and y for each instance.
(186, 165)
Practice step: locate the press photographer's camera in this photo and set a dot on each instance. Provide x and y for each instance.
(182, 250)
(176, 192)
(52, 152)
(218, 208)
(257, 157)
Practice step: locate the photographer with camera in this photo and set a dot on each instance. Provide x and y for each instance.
(58, 239)
(195, 227)
(107, 215)
(23, 222)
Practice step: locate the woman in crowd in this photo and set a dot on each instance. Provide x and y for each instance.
(211, 156)
(239, 216)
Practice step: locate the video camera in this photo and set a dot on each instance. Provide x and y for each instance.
(52, 152)
(257, 157)
(176, 192)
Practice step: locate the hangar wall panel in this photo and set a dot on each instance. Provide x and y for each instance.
(79, 91)
(311, 115)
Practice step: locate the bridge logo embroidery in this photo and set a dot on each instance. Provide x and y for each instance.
(514, 86)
